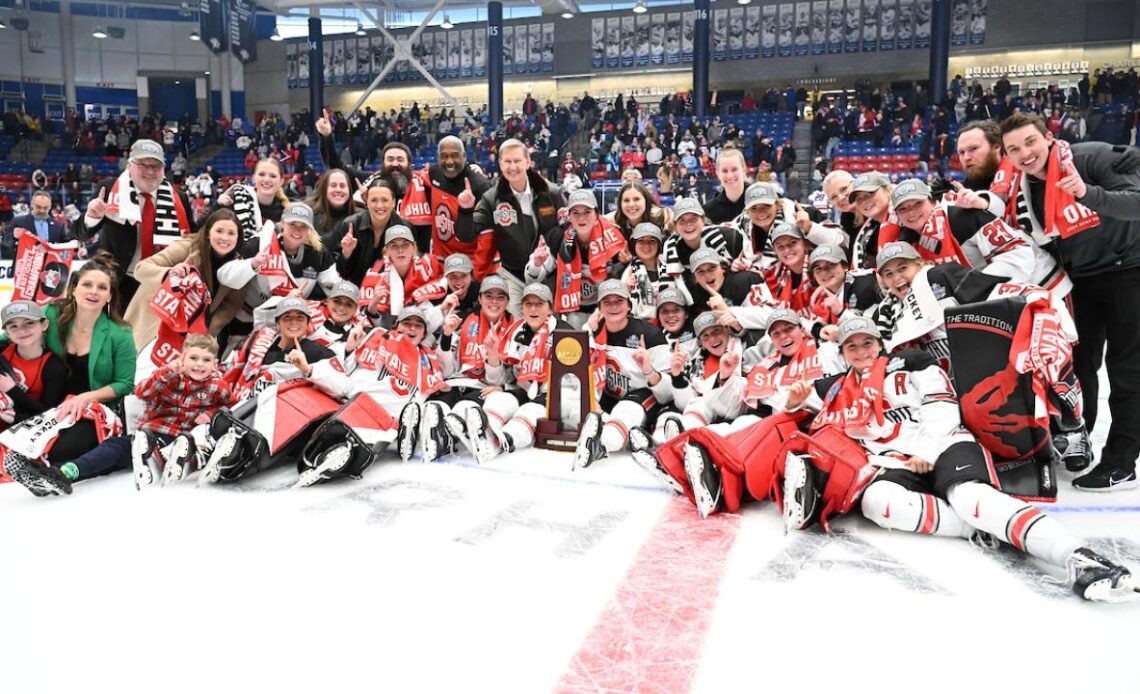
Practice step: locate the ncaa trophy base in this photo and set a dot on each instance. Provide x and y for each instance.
(550, 435)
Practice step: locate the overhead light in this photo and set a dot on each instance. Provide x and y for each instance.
(276, 35)
(568, 15)
(99, 33)
(743, 2)
(360, 29)
(640, 7)
(178, 81)
(207, 72)
(3, 24)
(195, 36)
(446, 24)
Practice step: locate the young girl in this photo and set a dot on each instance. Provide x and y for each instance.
(645, 276)
(264, 201)
(331, 202)
(32, 379)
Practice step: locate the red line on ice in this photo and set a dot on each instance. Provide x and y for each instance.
(650, 636)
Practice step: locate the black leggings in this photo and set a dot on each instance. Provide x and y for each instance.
(73, 442)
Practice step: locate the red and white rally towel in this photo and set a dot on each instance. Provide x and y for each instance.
(1064, 216)
(180, 304)
(42, 269)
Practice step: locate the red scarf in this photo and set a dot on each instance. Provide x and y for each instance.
(413, 368)
(376, 283)
(245, 370)
(180, 304)
(533, 365)
(936, 242)
(1064, 216)
(414, 206)
(472, 353)
(854, 399)
(606, 241)
(276, 266)
(785, 293)
(768, 377)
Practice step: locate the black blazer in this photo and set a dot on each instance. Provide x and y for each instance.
(121, 239)
(57, 233)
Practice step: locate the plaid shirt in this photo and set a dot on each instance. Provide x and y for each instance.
(174, 401)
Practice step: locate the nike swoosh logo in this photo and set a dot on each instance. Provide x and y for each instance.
(1112, 482)
(887, 513)
(959, 468)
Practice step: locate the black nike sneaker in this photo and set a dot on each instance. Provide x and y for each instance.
(1106, 478)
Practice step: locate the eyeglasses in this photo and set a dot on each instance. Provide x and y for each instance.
(158, 166)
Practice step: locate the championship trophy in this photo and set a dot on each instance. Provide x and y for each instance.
(571, 357)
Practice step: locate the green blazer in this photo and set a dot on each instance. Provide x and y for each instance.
(113, 353)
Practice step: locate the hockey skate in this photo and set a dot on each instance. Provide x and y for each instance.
(409, 429)
(143, 463)
(436, 437)
(704, 478)
(224, 456)
(672, 428)
(458, 430)
(1076, 451)
(329, 464)
(37, 478)
(181, 454)
(641, 447)
(801, 498)
(485, 444)
(1094, 577)
(590, 448)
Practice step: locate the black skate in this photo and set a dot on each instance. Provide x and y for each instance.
(143, 462)
(1076, 452)
(1094, 577)
(590, 448)
(182, 455)
(225, 456)
(329, 465)
(37, 478)
(801, 498)
(643, 449)
(436, 437)
(704, 478)
(409, 430)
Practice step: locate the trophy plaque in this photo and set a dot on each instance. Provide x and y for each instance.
(570, 358)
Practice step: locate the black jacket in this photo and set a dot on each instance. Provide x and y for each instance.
(515, 234)
(57, 233)
(120, 240)
(356, 266)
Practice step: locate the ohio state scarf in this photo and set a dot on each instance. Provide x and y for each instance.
(33, 438)
(936, 241)
(394, 356)
(781, 283)
(472, 353)
(414, 206)
(856, 401)
(606, 241)
(244, 375)
(171, 219)
(247, 209)
(43, 269)
(769, 376)
(384, 285)
(1040, 345)
(1064, 216)
(180, 304)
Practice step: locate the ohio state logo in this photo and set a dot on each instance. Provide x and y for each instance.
(444, 224)
(505, 215)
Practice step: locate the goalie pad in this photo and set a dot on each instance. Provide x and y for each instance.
(367, 427)
(843, 461)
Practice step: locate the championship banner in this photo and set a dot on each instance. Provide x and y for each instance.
(302, 65)
(752, 32)
(688, 21)
(466, 53)
(628, 41)
(852, 26)
(598, 43)
(657, 40)
(802, 37)
(338, 61)
(887, 16)
(978, 11)
(42, 270)
(508, 50)
(922, 11)
(350, 61)
(435, 53)
(327, 50)
(7, 283)
(479, 52)
(243, 31)
(785, 29)
(819, 27)
(720, 35)
(534, 55)
(613, 42)
(376, 55)
(870, 25)
(454, 50)
(291, 65)
(673, 38)
(904, 34)
(960, 23)
(768, 32)
(736, 33)
(835, 19)
(641, 22)
(212, 25)
(522, 49)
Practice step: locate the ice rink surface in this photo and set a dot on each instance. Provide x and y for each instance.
(522, 576)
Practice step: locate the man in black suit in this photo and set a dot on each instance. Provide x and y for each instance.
(138, 213)
(38, 223)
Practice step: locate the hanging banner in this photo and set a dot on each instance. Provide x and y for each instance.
(819, 27)
(904, 34)
(613, 42)
(212, 25)
(960, 23)
(852, 27)
(508, 50)
(673, 38)
(402, 65)
(467, 53)
(479, 52)
(922, 10)
(291, 65)
(785, 29)
(978, 11)
(431, 59)
(802, 37)
(687, 21)
(752, 32)
(522, 48)
(454, 57)
(736, 33)
(628, 41)
(870, 25)
(548, 47)
(387, 55)
(641, 24)
(338, 61)
(534, 58)
(243, 32)
(598, 43)
(364, 61)
(416, 47)
(768, 32)
(438, 54)
(657, 40)
(835, 22)
(720, 35)
(888, 15)
(350, 61)
(327, 60)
